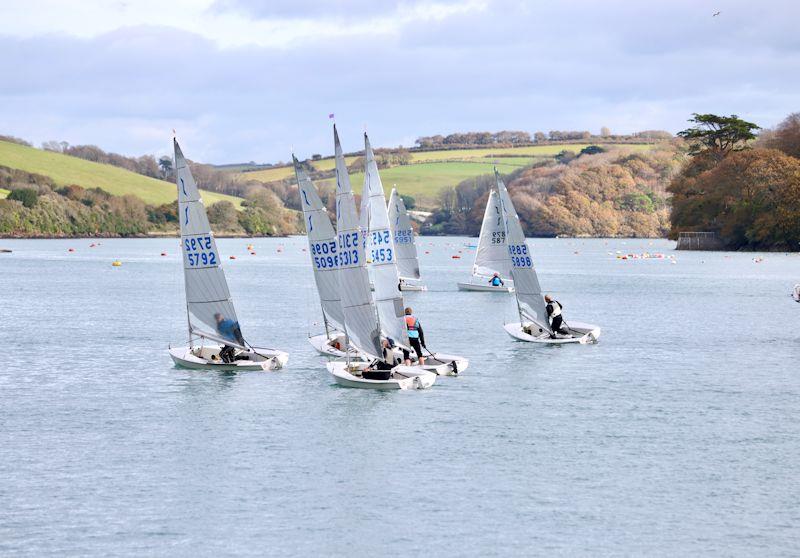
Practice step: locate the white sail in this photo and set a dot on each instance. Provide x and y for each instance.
(492, 256)
(527, 290)
(360, 318)
(322, 248)
(207, 291)
(382, 253)
(403, 233)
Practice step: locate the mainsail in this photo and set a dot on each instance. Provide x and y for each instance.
(381, 251)
(360, 320)
(207, 291)
(492, 256)
(322, 248)
(407, 260)
(528, 292)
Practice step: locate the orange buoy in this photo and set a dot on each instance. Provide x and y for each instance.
(116, 263)
(456, 257)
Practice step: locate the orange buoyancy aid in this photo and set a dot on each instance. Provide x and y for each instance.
(412, 325)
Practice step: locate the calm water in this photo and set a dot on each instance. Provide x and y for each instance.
(678, 433)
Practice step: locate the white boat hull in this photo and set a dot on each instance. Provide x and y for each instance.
(411, 286)
(443, 364)
(202, 358)
(485, 288)
(796, 293)
(579, 333)
(403, 377)
(324, 345)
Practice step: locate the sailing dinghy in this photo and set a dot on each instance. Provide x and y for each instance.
(383, 255)
(533, 325)
(325, 261)
(208, 301)
(360, 317)
(403, 233)
(491, 255)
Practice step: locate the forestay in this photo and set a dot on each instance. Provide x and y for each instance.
(360, 321)
(403, 234)
(381, 251)
(492, 256)
(322, 248)
(528, 292)
(207, 291)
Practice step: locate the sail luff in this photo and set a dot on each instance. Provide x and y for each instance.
(383, 254)
(360, 318)
(206, 288)
(527, 290)
(491, 255)
(403, 234)
(322, 248)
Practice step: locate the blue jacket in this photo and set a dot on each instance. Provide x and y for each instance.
(226, 328)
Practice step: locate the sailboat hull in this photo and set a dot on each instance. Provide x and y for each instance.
(324, 345)
(207, 358)
(485, 288)
(403, 377)
(409, 286)
(580, 333)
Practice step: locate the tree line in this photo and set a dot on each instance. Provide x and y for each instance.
(613, 193)
(741, 182)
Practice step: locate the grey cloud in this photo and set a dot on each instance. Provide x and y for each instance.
(555, 66)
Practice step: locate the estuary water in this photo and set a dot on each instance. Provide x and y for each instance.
(677, 434)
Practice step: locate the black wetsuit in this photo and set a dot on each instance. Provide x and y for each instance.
(557, 320)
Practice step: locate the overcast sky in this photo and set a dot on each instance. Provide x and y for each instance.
(245, 80)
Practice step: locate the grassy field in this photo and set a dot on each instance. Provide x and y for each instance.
(425, 180)
(66, 170)
(3, 193)
(431, 171)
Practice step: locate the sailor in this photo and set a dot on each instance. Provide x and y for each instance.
(554, 309)
(381, 368)
(416, 336)
(495, 281)
(228, 329)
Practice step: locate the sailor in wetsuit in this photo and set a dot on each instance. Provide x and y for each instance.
(554, 309)
(495, 281)
(415, 336)
(228, 329)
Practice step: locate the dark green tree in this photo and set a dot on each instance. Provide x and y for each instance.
(718, 134)
(27, 196)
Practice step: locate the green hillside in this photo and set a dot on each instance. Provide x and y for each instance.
(431, 171)
(66, 170)
(3, 193)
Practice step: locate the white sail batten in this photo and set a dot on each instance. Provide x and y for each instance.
(403, 234)
(382, 254)
(359, 315)
(492, 256)
(207, 291)
(322, 248)
(526, 284)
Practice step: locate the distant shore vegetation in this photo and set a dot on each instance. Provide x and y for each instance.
(739, 183)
